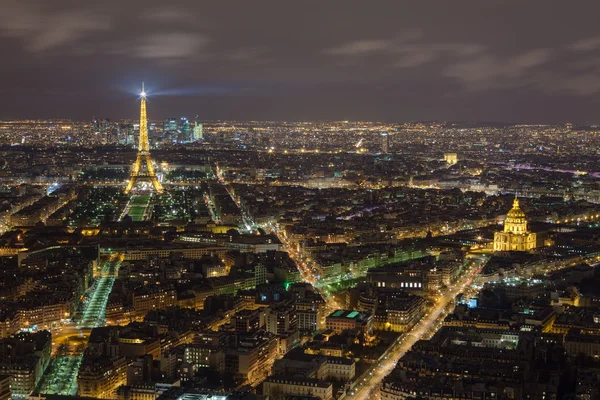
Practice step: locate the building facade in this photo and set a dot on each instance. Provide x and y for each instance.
(276, 385)
(515, 236)
(342, 320)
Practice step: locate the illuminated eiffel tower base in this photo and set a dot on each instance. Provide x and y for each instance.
(143, 169)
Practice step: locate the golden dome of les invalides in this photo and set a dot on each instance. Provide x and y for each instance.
(515, 236)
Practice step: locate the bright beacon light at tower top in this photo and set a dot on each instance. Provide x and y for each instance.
(143, 93)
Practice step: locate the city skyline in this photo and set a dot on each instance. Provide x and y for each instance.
(498, 61)
(275, 200)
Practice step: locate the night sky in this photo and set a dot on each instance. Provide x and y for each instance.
(486, 60)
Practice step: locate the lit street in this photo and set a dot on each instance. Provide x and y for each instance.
(61, 375)
(95, 306)
(426, 326)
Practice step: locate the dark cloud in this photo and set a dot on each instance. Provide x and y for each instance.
(269, 59)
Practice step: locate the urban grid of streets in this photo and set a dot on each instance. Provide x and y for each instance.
(61, 377)
(366, 387)
(372, 378)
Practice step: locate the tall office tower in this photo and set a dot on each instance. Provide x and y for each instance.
(142, 169)
(198, 130)
(170, 129)
(385, 143)
(98, 125)
(152, 133)
(170, 125)
(185, 130)
(106, 126)
(112, 135)
(104, 130)
(126, 134)
(132, 129)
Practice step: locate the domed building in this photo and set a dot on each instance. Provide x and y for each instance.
(515, 236)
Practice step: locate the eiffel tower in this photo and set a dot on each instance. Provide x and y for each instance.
(143, 170)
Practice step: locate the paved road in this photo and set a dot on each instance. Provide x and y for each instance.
(61, 376)
(306, 271)
(367, 388)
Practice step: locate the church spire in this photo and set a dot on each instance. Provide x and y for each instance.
(516, 202)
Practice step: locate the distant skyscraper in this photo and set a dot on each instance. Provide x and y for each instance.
(135, 135)
(104, 130)
(185, 130)
(100, 125)
(127, 134)
(170, 126)
(170, 129)
(385, 143)
(198, 130)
